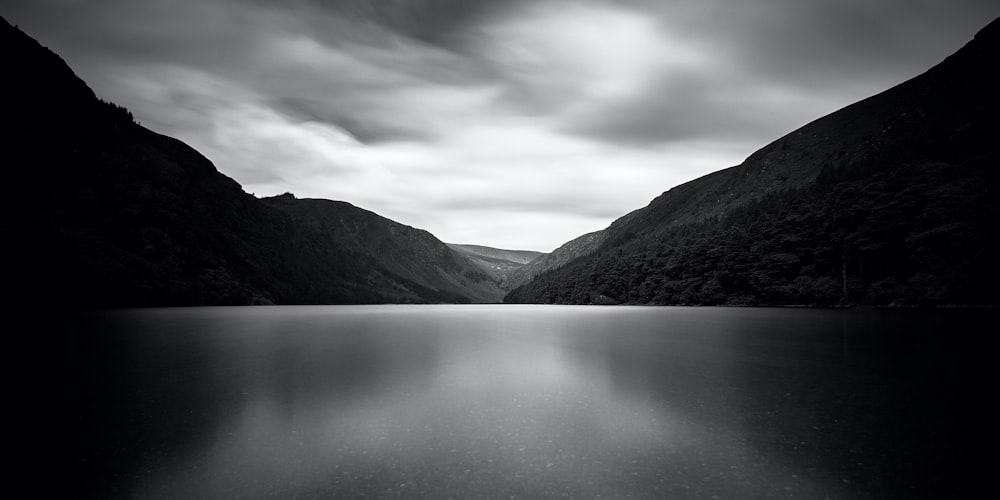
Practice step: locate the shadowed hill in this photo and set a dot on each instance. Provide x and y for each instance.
(566, 252)
(104, 212)
(400, 262)
(891, 200)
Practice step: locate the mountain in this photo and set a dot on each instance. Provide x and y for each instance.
(497, 263)
(892, 200)
(513, 256)
(400, 263)
(568, 251)
(101, 211)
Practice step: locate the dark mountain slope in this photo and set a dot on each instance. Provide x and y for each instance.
(566, 252)
(102, 211)
(947, 112)
(400, 262)
(893, 199)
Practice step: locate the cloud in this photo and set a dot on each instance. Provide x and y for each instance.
(443, 23)
(556, 56)
(365, 127)
(509, 123)
(756, 70)
(725, 105)
(234, 126)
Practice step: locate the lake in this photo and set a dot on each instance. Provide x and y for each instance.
(502, 401)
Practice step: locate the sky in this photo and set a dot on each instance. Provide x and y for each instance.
(517, 124)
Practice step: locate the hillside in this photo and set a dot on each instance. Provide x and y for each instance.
(891, 200)
(104, 212)
(499, 264)
(514, 256)
(566, 252)
(400, 263)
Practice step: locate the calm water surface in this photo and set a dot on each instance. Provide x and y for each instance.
(514, 401)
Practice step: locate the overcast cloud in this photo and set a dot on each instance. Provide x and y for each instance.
(515, 124)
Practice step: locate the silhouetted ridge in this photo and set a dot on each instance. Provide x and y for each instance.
(891, 200)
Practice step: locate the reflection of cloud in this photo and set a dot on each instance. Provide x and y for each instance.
(496, 399)
(459, 401)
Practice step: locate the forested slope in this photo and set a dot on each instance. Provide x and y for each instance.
(892, 200)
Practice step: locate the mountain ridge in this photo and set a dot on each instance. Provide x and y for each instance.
(498, 263)
(797, 158)
(577, 247)
(879, 187)
(109, 213)
(515, 256)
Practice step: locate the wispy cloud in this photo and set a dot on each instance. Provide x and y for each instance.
(517, 124)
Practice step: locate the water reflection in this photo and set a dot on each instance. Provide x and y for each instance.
(459, 401)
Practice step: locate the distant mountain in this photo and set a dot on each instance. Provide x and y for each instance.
(891, 200)
(497, 263)
(568, 251)
(514, 256)
(101, 211)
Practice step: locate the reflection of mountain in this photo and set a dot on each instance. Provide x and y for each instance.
(893, 199)
(103, 211)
